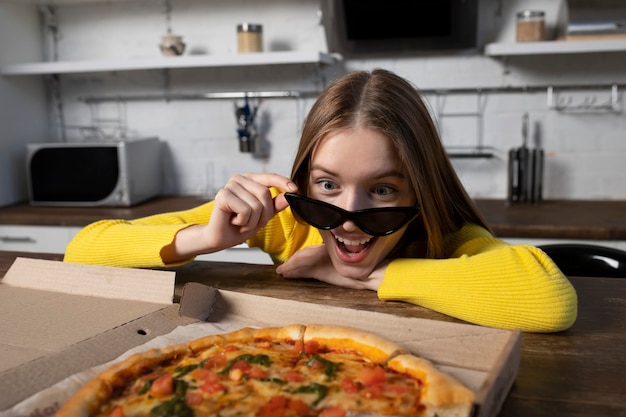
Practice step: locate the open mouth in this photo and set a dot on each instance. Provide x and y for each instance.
(353, 247)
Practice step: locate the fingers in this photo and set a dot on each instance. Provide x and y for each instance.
(272, 180)
(248, 201)
(277, 181)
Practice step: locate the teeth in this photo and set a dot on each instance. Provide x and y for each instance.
(349, 242)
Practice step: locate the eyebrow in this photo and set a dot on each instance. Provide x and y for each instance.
(384, 174)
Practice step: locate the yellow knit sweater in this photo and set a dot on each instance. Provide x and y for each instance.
(485, 280)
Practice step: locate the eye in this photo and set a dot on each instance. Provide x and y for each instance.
(327, 185)
(383, 190)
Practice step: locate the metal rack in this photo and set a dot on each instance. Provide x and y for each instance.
(588, 104)
(560, 102)
(477, 151)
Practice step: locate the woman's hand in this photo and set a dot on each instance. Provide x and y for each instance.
(244, 206)
(241, 208)
(314, 262)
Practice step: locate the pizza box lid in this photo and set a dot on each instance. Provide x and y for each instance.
(485, 359)
(48, 306)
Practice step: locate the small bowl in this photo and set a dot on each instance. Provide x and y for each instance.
(172, 45)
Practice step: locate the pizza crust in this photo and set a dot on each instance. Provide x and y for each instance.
(248, 334)
(376, 348)
(86, 402)
(443, 395)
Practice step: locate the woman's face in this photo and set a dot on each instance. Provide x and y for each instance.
(356, 169)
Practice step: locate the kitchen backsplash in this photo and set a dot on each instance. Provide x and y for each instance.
(584, 148)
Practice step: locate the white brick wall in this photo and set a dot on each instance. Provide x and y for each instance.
(584, 152)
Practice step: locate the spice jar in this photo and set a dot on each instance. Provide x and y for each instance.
(249, 37)
(530, 26)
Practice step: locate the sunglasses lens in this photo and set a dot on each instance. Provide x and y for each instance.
(383, 222)
(317, 215)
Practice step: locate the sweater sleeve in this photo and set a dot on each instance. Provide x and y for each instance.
(487, 282)
(132, 243)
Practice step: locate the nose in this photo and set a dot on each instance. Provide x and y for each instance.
(350, 202)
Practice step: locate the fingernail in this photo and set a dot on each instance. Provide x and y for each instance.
(292, 186)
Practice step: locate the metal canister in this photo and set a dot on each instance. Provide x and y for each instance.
(530, 26)
(249, 37)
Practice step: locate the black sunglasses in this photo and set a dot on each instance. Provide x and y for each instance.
(379, 221)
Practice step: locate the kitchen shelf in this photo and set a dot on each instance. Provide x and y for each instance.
(174, 62)
(555, 47)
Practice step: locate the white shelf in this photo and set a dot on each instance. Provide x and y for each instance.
(188, 61)
(555, 47)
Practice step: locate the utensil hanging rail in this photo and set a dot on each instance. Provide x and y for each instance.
(589, 104)
(520, 88)
(198, 96)
(299, 94)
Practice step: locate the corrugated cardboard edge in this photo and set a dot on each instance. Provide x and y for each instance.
(491, 395)
(146, 285)
(23, 381)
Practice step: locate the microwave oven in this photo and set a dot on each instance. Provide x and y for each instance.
(93, 174)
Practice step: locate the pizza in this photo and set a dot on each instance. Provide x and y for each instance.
(296, 370)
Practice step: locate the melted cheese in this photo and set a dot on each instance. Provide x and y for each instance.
(240, 393)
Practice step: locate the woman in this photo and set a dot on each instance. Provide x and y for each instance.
(373, 203)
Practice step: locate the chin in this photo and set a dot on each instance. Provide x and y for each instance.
(358, 273)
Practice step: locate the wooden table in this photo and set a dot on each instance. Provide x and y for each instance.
(578, 372)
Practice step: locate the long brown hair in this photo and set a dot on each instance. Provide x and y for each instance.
(382, 101)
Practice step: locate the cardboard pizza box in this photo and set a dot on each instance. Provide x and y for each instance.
(75, 322)
(48, 307)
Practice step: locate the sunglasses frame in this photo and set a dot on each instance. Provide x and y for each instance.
(409, 212)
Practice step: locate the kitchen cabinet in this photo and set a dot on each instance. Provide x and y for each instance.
(27, 238)
(54, 239)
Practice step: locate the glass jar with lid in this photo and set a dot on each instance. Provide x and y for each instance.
(530, 26)
(249, 37)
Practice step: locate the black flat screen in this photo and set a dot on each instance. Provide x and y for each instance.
(74, 174)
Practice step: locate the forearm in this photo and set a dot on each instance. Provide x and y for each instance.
(187, 244)
(122, 243)
(509, 287)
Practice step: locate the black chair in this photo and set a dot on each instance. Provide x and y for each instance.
(585, 260)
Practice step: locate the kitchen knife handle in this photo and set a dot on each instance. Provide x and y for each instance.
(513, 183)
